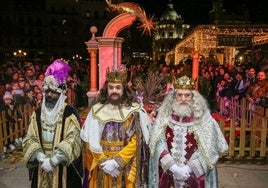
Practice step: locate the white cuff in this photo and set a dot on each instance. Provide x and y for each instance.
(40, 156)
(166, 162)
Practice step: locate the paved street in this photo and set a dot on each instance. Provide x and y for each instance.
(15, 175)
(242, 176)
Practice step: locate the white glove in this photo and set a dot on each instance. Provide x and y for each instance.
(179, 173)
(187, 169)
(46, 166)
(115, 173)
(110, 167)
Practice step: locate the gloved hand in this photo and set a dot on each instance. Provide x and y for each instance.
(179, 173)
(110, 167)
(187, 169)
(40, 156)
(115, 173)
(46, 165)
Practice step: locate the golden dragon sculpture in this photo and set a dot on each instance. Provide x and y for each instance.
(147, 23)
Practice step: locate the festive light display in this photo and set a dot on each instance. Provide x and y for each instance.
(147, 23)
(204, 38)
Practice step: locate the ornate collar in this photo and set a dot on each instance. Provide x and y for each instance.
(108, 112)
(181, 121)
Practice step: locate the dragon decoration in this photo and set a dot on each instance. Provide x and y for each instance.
(147, 23)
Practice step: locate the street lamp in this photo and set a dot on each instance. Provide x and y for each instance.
(19, 54)
(77, 57)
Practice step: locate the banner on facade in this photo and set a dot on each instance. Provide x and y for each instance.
(234, 40)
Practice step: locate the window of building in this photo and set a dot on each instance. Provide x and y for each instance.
(54, 31)
(54, 21)
(39, 33)
(21, 21)
(38, 21)
(88, 15)
(30, 20)
(31, 43)
(30, 32)
(8, 42)
(105, 15)
(96, 15)
(8, 19)
(53, 10)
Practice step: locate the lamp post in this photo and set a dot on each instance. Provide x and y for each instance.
(76, 58)
(19, 54)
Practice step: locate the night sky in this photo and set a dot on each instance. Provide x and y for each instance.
(197, 11)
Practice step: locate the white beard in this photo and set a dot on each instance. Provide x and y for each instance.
(182, 110)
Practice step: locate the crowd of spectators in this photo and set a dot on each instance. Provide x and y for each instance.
(24, 83)
(20, 85)
(217, 81)
(227, 82)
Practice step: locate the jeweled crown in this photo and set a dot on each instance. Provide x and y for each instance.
(116, 75)
(183, 82)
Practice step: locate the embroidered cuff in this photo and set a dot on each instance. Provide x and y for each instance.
(166, 162)
(119, 161)
(52, 163)
(102, 160)
(196, 168)
(40, 156)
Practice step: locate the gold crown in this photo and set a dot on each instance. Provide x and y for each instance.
(183, 82)
(118, 75)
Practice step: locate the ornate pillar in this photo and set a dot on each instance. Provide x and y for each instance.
(93, 69)
(92, 48)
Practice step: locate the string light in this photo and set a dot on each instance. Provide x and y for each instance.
(205, 37)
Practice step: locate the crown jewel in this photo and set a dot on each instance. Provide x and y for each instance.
(183, 82)
(116, 75)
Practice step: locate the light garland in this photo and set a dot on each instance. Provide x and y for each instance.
(204, 37)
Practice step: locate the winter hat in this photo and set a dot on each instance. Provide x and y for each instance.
(7, 95)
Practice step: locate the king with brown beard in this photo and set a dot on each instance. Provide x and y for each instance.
(116, 135)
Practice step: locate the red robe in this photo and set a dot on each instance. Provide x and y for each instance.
(166, 178)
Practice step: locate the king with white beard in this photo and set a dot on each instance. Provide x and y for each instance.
(185, 141)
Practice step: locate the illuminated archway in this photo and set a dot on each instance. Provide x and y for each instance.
(110, 46)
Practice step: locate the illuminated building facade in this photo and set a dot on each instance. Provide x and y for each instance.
(169, 30)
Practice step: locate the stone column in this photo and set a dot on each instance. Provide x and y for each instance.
(92, 48)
